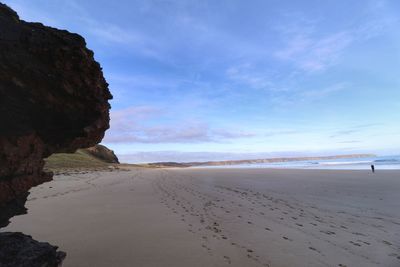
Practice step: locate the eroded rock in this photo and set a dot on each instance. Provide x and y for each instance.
(53, 98)
(103, 153)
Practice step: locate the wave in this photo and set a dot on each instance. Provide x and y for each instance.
(346, 162)
(387, 160)
(384, 162)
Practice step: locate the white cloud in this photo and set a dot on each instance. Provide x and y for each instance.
(144, 124)
(314, 54)
(307, 49)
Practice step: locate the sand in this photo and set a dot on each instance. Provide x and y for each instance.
(219, 217)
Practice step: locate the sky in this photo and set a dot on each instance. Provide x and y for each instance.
(234, 79)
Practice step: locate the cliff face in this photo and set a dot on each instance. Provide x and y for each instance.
(53, 98)
(103, 153)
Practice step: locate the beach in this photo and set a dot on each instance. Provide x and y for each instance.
(218, 217)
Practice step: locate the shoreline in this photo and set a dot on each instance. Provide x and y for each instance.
(286, 168)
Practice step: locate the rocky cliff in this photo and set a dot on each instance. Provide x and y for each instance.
(103, 153)
(53, 98)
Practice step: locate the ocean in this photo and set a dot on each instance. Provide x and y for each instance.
(380, 163)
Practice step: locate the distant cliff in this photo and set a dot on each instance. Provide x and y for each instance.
(272, 160)
(254, 161)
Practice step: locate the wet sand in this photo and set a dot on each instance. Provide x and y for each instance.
(219, 217)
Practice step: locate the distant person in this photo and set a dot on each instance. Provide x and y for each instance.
(372, 168)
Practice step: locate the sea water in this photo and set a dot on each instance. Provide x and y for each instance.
(380, 162)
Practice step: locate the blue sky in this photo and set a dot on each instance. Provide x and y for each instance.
(230, 79)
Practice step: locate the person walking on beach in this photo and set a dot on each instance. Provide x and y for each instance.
(372, 168)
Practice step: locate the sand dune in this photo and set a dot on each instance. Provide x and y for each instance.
(219, 217)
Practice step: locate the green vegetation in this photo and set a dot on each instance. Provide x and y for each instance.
(78, 161)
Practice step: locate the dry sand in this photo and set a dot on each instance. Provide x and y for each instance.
(219, 217)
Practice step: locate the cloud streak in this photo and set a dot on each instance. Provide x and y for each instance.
(313, 54)
(307, 49)
(359, 128)
(130, 126)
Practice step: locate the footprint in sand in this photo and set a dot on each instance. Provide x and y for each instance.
(356, 233)
(328, 232)
(314, 249)
(226, 258)
(355, 243)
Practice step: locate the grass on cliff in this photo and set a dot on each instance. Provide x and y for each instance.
(79, 160)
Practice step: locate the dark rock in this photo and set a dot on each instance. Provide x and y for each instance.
(103, 153)
(13, 208)
(53, 98)
(19, 250)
